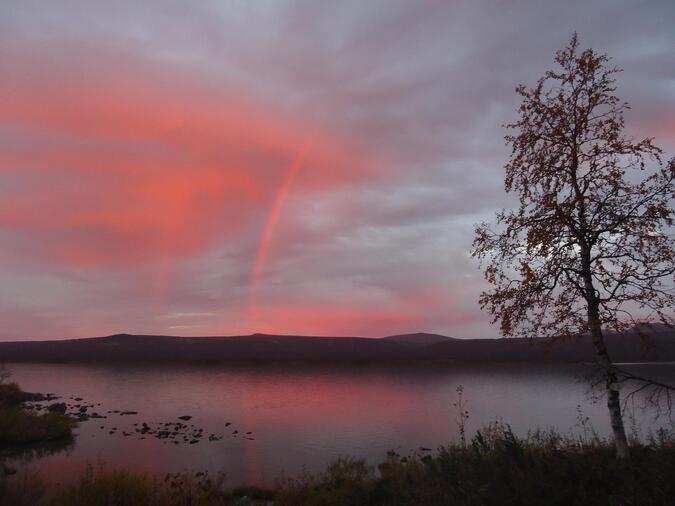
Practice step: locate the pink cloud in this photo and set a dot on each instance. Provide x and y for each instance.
(397, 313)
(136, 162)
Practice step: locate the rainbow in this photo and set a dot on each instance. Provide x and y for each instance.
(272, 218)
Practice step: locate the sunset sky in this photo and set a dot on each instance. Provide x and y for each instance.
(304, 167)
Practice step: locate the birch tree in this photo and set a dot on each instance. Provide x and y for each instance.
(588, 247)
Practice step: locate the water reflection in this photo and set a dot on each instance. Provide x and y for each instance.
(20, 455)
(300, 417)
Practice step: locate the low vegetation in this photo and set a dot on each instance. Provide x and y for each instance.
(19, 425)
(494, 467)
(10, 395)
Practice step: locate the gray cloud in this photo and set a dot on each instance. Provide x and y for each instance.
(421, 87)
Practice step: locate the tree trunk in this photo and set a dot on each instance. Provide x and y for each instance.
(613, 400)
(611, 383)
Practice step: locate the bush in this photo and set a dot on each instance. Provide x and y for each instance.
(10, 395)
(19, 426)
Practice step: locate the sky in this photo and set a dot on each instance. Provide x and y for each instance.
(294, 167)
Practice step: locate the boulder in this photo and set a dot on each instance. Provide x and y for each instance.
(57, 407)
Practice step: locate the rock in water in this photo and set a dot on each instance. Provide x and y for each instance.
(57, 407)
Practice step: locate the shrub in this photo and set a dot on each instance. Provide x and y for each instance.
(19, 426)
(10, 395)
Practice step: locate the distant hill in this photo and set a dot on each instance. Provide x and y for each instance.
(658, 346)
(419, 339)
(628, 347)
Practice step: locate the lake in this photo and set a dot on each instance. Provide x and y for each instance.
(301, 417)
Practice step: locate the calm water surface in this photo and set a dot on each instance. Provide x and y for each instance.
(301, 417)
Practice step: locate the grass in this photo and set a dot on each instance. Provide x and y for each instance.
(100, 487)
(19, 426)
(494, 468)
(498, 468)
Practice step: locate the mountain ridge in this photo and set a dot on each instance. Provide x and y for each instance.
(659, 346)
